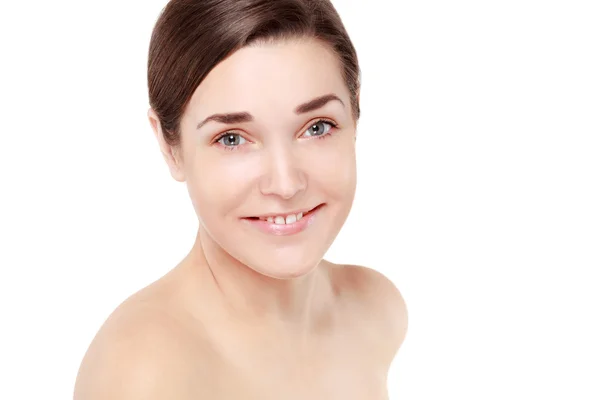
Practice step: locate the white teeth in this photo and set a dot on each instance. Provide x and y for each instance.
(281, 220)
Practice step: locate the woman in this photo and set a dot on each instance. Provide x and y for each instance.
(254, 104)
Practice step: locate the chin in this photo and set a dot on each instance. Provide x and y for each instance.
(284, 269)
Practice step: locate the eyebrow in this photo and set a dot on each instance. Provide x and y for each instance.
(244, 116)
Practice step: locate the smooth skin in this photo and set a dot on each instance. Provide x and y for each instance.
(246, 314)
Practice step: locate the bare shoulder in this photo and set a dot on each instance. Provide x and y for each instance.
(378, 298)
(141, 352)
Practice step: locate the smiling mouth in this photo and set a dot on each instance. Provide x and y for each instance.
(286, 219)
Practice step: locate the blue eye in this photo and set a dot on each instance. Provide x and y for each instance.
(319, 128)
(231, 140)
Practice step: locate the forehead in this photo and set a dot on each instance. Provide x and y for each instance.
(269, 79)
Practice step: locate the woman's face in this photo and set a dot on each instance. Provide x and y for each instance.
(277, 154)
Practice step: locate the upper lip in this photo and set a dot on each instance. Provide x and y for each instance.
(283, 213)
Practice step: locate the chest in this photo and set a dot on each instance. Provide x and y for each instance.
(338, 372)
(342, 382)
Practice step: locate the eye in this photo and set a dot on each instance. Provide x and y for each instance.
(231, 140)
(320, 128)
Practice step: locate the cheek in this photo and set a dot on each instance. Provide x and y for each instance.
(335, 168)
(219, 185)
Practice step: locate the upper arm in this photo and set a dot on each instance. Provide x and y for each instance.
(386, 307)
(131, 378)
(394, 307)
(139, 361)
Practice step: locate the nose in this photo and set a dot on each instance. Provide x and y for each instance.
(284, 175)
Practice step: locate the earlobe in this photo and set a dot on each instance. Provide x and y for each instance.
(175, 165)
(170, 155)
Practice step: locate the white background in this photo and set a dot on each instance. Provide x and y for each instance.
(478, 193)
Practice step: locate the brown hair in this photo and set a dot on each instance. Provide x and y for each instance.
(192, 36)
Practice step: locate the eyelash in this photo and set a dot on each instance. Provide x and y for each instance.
(323, 136)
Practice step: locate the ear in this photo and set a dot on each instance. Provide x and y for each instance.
(357, 102)
(170, 154)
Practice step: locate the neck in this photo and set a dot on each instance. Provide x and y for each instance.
(244, 295)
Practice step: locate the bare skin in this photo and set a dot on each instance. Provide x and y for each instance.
(171, 340)
(249, 313)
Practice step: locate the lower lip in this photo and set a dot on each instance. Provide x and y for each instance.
(272, 228)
